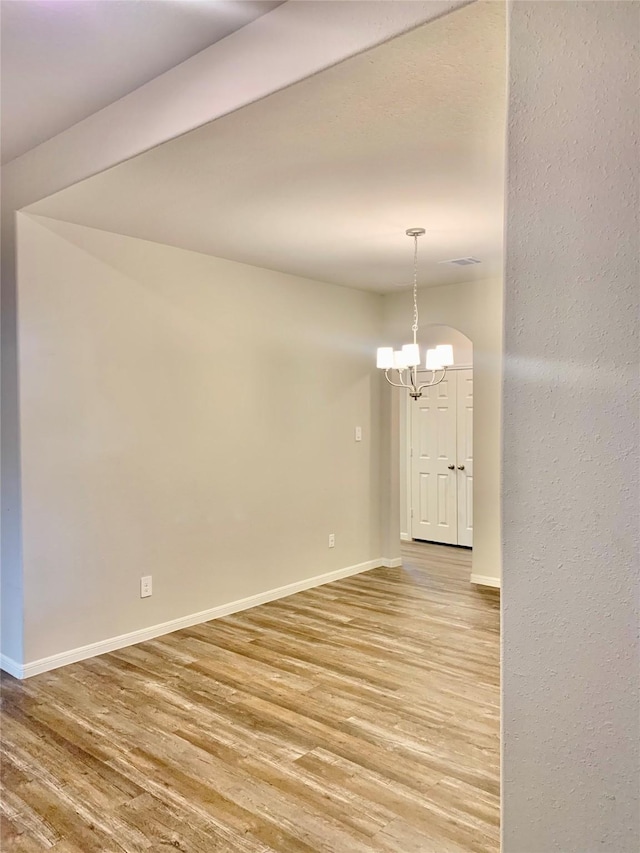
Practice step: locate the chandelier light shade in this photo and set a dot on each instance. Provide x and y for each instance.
(385, 357)
(433, 360)
(411, 354)
(407, 360)
(445, 354)
(399, 361)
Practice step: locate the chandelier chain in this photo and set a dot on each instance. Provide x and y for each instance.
(414, 328)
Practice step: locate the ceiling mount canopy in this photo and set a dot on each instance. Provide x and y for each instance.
(407, 360)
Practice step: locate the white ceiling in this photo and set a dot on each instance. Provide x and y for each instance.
(322, 179)
(63, 60)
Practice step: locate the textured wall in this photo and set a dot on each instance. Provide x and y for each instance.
(570, 510)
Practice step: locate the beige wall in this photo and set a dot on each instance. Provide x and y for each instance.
(189, 418)
(475, 309)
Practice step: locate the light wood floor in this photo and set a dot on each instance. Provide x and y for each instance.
(357, 716)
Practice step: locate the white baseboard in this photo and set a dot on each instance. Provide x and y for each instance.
(391, 562)
(11, 666)
(486, 580)
(120, 642)
(405, 537)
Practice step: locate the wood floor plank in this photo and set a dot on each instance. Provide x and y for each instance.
(18, 840)
(357, 717)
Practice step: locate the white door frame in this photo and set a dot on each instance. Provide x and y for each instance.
(406, 526)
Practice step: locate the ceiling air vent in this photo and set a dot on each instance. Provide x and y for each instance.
(461, 262)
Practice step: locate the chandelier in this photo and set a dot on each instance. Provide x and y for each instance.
(407, 360)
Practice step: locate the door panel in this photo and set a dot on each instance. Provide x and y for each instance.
(433, 484)
(443, 500)
(424, 504)
(465, 456)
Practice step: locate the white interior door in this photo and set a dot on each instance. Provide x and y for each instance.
(434, 508)
(464, 456)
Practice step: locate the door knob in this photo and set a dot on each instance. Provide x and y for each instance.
(460, 467)
(451, 467)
